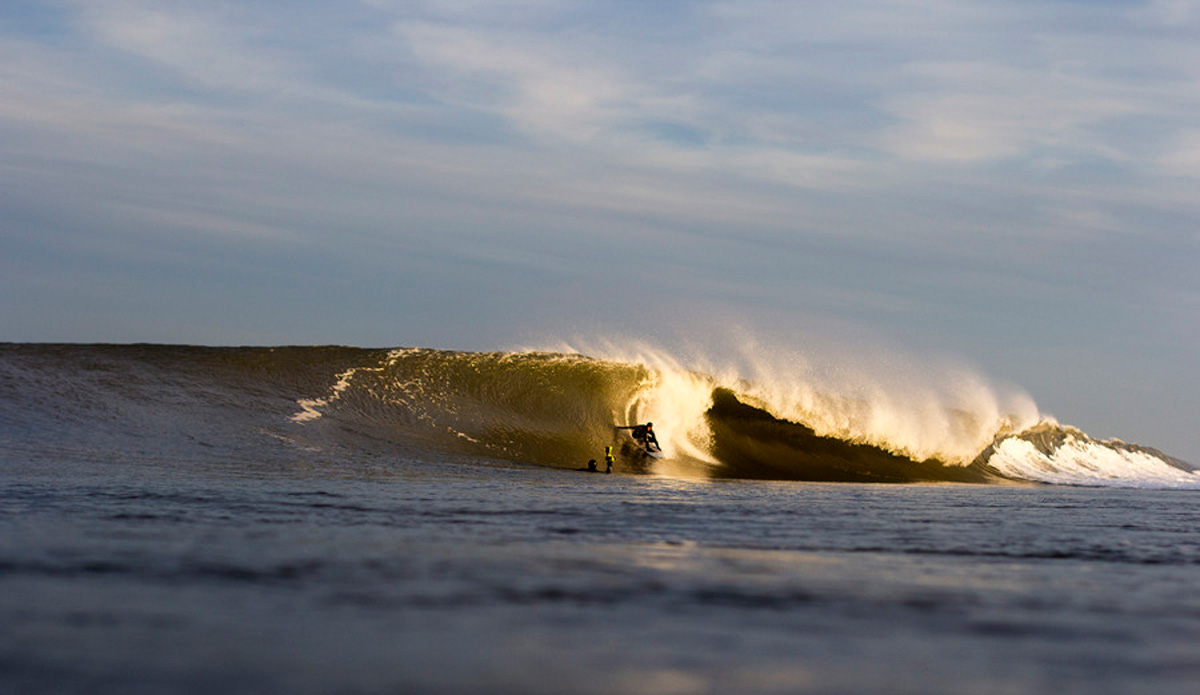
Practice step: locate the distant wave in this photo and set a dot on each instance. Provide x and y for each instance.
(546, 408)
(1052, 453)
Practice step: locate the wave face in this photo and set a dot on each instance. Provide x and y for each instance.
(259, 406)
(540, 408)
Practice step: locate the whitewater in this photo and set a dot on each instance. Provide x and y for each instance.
(185, 519)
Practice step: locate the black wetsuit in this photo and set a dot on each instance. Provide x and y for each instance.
(644, 435)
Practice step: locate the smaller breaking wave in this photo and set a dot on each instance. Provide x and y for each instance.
(1051, 453)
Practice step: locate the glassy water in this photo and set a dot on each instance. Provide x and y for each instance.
(435, 576)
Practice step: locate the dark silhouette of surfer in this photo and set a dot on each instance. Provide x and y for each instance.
(644, 435)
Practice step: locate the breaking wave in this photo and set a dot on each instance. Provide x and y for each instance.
(765, 416)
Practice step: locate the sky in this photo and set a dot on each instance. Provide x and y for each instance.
(1007, 184)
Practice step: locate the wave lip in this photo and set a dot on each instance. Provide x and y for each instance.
(750, 442)
(1051, 453)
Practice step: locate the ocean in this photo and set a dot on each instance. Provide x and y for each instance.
(182, 519)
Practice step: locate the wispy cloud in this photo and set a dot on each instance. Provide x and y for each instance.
(1182, 157)
(973, 111)
(533, 82)
(202, 45)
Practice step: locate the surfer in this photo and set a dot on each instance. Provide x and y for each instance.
(591, 467)
(608, 459)
(644, 435)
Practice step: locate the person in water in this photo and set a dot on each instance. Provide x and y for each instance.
(608, 460)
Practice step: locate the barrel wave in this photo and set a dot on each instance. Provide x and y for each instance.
(257, 408)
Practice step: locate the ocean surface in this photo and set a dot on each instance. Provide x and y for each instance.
(336, 520)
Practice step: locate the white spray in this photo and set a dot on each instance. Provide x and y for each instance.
(921, 411)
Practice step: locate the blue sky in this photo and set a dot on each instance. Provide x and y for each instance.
(1008, 183)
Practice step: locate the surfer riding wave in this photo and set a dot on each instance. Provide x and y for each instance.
(644, 436)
